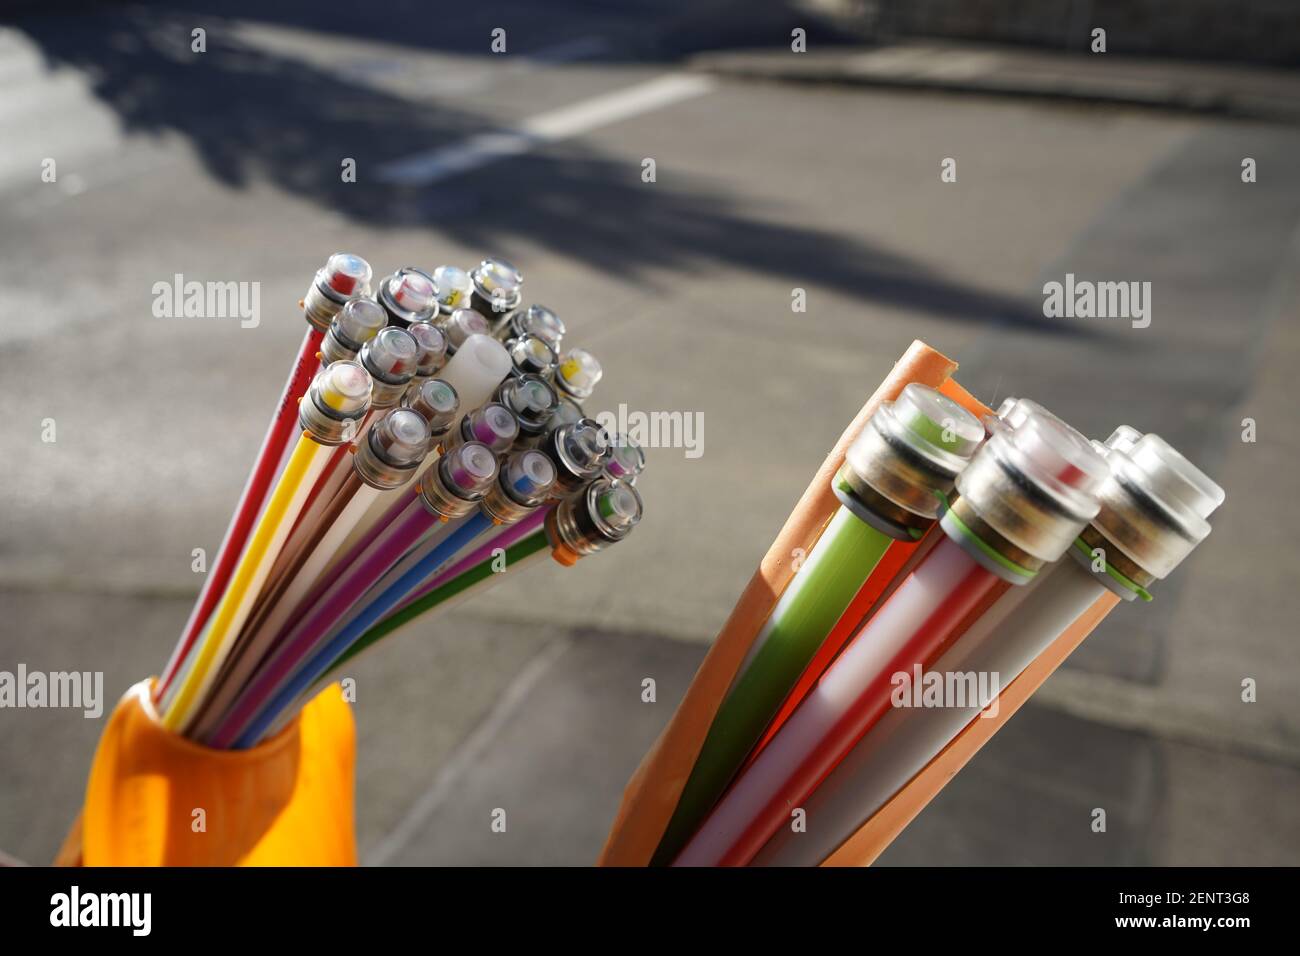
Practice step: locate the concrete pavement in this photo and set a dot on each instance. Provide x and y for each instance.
(227, 168)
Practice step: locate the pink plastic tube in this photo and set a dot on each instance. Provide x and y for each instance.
(393, 540)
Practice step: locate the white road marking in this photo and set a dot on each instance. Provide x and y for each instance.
(563, 123)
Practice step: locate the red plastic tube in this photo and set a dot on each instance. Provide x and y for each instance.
(926, 612)
(899, 553)
(283, 428)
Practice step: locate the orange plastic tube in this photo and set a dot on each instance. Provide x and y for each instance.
(651, 796)
(155, 798)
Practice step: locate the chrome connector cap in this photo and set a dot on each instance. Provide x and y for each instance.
(492, 425)
(578, 374)
(1155, 503)
(533, 402)
(359, 321)
(460, 325)
(458, 481)
(907, 456)
(431, 349)
(408, 295)
(626, 459)
(344, 276)
(535, 320)
(532, 355)
(1026, 494)
(604, 514)
(336, 403)
(523, 484)
(496, 287)
(454, 286)
(390, 359)
(579, 452)
(568, 413)
(393, 449)
(436, 401)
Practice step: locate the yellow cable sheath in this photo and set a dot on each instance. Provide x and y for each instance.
(309, 458)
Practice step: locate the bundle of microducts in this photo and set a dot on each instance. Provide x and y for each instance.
(962, 546)
(430, 439)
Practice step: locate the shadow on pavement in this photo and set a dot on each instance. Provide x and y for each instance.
(253, 116)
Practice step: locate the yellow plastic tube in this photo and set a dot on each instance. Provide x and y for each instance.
(155, 798)
(305, 465)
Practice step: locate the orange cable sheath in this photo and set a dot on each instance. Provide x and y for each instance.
(651, 795)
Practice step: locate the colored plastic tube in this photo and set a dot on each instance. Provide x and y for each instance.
(1029, 491)
(452, 585)
(405, 528)
(893, 478)
(891, 566)
(481, 553)
(308, 459)
(839, 565)
(1004, 641)
(274, 445)
(320, 662)
(910, 628)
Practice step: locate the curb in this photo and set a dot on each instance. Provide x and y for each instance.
(984, 71)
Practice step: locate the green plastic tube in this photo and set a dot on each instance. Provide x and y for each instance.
(820, 592)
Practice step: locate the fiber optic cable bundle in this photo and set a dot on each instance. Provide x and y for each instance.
(801, 741)
(427, 431)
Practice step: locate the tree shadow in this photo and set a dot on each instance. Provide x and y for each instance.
(252, 116)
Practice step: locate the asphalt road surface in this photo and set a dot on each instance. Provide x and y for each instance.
(226, 165)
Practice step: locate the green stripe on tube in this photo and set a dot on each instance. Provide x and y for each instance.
(820, 592)
(475, 575)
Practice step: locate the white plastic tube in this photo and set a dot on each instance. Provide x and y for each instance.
(1004, 641)
(375, 509)
(321, 557)
(831, 702)
(475, 371)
